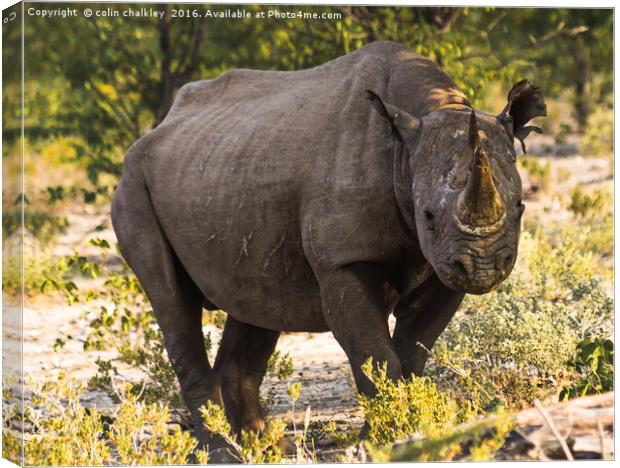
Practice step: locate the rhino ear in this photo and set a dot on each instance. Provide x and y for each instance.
(525, 102)
(404, 123)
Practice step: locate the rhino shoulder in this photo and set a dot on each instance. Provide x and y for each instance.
(392, 52)
(386, 48)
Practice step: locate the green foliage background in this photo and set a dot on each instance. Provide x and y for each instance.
(104, 81)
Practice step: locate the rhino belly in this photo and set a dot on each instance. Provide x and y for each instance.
(261, 278)
(241, 245)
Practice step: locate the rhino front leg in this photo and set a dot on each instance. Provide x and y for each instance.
(420, 318)
(355, 310)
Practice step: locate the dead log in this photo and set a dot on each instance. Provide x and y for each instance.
(584, 425)
(582, 428)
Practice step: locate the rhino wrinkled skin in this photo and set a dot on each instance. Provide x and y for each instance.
(319, 200)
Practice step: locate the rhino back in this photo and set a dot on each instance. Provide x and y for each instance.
(263, 181)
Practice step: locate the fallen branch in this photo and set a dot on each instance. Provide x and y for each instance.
(554, 431)
(588, 425)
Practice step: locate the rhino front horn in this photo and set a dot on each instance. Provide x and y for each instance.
(480, 208)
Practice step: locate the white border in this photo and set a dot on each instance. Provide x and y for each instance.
(519, 4)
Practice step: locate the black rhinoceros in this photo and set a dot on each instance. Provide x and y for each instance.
(319, 200)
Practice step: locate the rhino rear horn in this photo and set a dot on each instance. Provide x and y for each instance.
(474, 136)
(525, 102)
(404, 123)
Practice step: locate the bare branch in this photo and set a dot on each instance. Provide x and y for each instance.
(554, 430)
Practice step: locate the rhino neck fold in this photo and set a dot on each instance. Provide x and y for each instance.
(402, 182)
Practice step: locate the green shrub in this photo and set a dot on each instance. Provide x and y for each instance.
(597, 237)
(141, 435)
(43, 225)
(126, 323)
(266, 446)
(598, 138)
(12, 446)
(417, 410)
(593, 229)
(406, 407)
(40, 266)
(217, 318)
(588, 205)
(65, 433)
(280, 365)
(539, 172)
(594, 362)
(342, 437)
(252, 447)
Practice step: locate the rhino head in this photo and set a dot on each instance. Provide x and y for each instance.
(458, 186)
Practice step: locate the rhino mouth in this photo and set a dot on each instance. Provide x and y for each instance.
(470, 280)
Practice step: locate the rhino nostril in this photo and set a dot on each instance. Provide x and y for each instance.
(462, 266)
(504, 261)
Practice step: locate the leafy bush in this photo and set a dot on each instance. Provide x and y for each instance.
(43, 225)
(141, 435)
(127, 324)
(599, 238)
(416, 408)
(598, 137)
(280, 365)
(252, 447)
(217, 318)
(539, 173)
(339, 436)
(12, 447)
(594, 362)
(39, 266)
(266, 446)
(593, 229)
(404, 408)
(588, 205)
(66, 433)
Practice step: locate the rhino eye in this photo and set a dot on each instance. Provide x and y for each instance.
(430, 218)
(520, 207)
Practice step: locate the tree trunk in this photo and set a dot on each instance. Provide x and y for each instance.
(165, 75)
(582, 87)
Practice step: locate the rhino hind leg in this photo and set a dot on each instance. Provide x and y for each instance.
(175, 299)
(241, 364)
